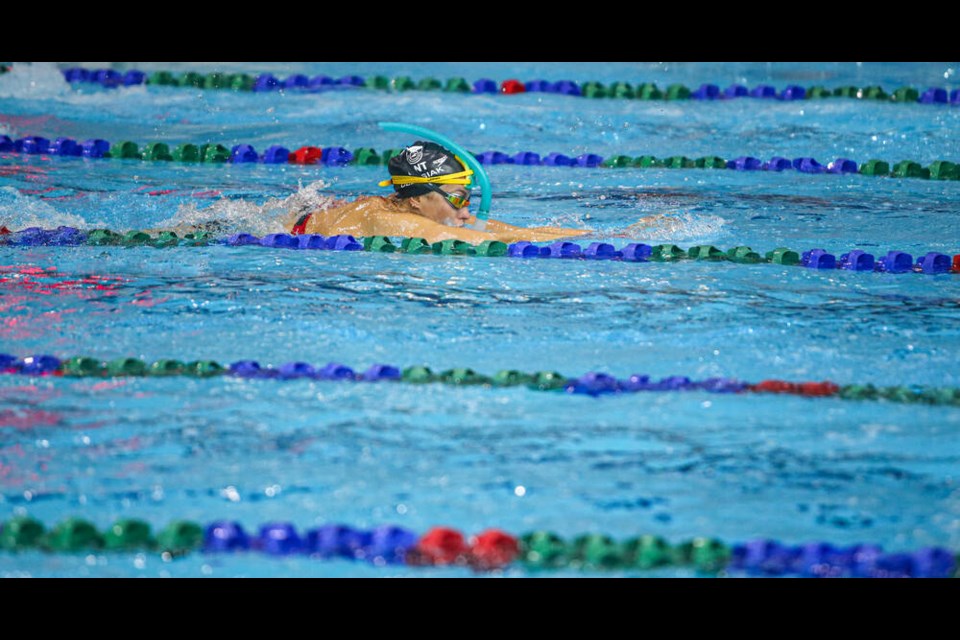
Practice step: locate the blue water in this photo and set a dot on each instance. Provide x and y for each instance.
(677, 465)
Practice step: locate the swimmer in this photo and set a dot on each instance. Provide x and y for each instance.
(430, 201)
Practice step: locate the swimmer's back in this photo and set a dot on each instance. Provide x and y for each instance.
(379, 216)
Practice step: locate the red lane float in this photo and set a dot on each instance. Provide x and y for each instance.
(512, 86)
(305, 155)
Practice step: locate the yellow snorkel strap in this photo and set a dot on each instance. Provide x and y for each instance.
(461, 177)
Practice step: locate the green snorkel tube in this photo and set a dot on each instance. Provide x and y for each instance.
(484, 212)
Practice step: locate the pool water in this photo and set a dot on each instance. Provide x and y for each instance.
(735, 467)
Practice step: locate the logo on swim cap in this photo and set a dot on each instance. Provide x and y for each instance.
(414, 154)
(439, 161)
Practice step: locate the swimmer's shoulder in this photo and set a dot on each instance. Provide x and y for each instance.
(367, 203)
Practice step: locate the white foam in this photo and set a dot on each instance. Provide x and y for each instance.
(45, 81)
(33, 80)
(660, 228)
(677, 227)
(19, 211)
(241, 216)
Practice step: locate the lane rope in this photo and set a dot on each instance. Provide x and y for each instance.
(336, 156)
(894, 262)
(592, 384)
(267, 82)
(489, 550)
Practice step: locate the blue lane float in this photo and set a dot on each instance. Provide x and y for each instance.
(588, 160)
(777, 163)
(76, 74)
(95, 148)
(293, 370)
(808, 165)
(895, 262)
(842, 165)
(9, 363)
(241, 239)
(108, 77)
(856, 261)
(601, 251)
(562, 249)
(335, 156)
(594, 384)
(296, 81)
(526, 158)
(38, 365)
(567, 88)
(823, 560)
(745, 163)
(280, 241)
(247, 369)
(35, 236)
(934, 95)
(763, 91)
(337, 371)
(706, 92)
(276, 154)
(343, 243)
(493, 157)
(266, 82)
(278, 539)
(736, 91)
(934, 263)
(793, 92)
(225, 537)
(818, 259)
(337, 541)
(65, 147)
(311, 241)
(636, 252)
(558, 160)
(31, 145)
(321, 82)
(597, 383)
(134, 77)
(243, 153)
(524, 249)
(381, 372)
(485, 85)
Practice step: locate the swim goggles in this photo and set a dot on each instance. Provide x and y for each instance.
(456, 201)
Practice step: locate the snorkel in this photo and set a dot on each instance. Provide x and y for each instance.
(484, 212)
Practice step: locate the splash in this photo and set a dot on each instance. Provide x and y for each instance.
(19, 211)
(675, 227)
(241, 216)
(36, 80)
(658, 228)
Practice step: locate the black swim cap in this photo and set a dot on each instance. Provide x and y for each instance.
(423, 160)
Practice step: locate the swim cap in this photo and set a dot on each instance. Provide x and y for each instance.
(421, 163)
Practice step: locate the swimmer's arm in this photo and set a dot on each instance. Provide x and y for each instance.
(531, 234)
(415, 226)
(405, 225)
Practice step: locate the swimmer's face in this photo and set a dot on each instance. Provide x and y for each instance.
(434, 206)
